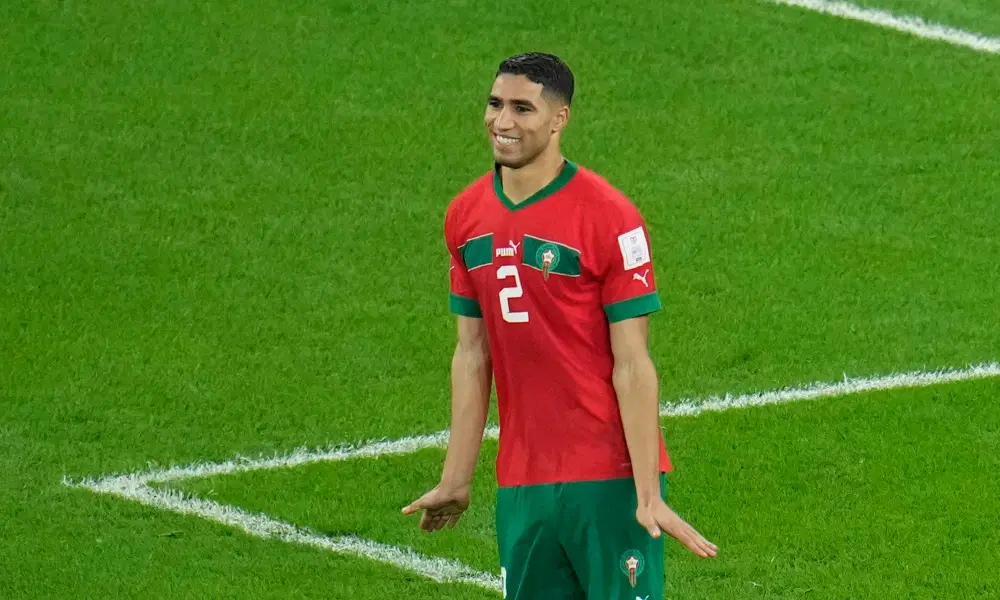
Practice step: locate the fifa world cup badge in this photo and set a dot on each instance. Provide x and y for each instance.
(632, 564)
(548, 258)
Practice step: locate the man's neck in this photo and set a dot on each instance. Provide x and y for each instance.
(521, 184)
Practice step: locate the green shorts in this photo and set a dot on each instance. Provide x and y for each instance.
(577, 541)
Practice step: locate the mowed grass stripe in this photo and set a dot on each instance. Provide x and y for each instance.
(260, 525)
(885, 495)
(136, 487)
(411, 444)
(222, 227)
(909, 24)
(797, 496)
(971, 15)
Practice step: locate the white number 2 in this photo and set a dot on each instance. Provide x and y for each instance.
(509, 292)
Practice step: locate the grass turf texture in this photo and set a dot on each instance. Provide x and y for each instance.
(976, 16)
(221, 233)
(884, 494)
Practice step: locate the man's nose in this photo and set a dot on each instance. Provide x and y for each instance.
(504, 120)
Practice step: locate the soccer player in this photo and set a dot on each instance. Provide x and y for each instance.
(552, 281)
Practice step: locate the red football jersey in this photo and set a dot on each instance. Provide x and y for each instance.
(548, 275)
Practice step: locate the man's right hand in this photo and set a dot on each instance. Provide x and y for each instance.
(442, 506)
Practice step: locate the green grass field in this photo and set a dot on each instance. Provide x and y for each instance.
(221, 234)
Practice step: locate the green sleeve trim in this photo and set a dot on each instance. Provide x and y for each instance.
(477, 251)
(467, 307)
(633, 307)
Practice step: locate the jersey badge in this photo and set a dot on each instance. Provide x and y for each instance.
(632, 564)
(548, 257)
(635, 250)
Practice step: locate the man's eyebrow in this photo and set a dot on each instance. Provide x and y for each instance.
(515, 101)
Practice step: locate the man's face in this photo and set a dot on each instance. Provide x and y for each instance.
(520, 121)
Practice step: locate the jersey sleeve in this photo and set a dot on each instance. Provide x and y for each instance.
(462, 299)
(628, 287)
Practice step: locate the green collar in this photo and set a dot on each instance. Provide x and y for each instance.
(569, 169)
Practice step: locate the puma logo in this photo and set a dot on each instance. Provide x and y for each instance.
(641, 278)
(509, 252)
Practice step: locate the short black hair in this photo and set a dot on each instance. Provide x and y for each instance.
(546, 69)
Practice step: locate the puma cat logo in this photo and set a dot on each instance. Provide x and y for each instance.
(509, 252)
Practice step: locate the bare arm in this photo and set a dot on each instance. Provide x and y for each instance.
(635, 383)
(638, 398)
(471, 379)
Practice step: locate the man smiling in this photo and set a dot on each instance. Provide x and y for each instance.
(552, 282)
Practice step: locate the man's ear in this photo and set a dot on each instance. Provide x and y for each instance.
(560, 120)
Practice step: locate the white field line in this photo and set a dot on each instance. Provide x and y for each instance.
(679, 408)
(912, 25)
(135, 486)
(263, 526)
(829, 390)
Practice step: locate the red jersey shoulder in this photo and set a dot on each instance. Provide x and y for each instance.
(612, 230)
(605, 211)
(471, 195)
(465, 204)
(602, 199)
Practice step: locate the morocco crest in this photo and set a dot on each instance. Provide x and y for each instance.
(632, 564)
(548, 257)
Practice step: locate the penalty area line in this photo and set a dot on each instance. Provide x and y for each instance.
(815, 391)
(262, 526)
(907, 24)
(417, 443)
(135, 486)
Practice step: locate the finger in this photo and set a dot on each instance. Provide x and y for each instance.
(693, 545)
(699, 549)
(710, 549)
(681, 530)
(700, 546)
(649, 524)
(453, 521)
(707, 544)
(414, 506)
(434, 523)
(687, 536)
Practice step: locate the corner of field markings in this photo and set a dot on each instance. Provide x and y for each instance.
(138, 486)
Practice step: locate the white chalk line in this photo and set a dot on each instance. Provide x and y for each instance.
(262, 526)
(678, 408)
(846, 387)
(135, 486)
(908, 24)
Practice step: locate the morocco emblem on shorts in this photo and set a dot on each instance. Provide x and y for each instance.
(548, 257)
(632, 564)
